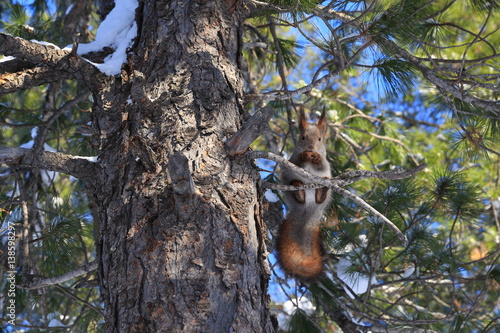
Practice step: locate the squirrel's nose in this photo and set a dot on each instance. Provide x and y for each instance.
(310, 147)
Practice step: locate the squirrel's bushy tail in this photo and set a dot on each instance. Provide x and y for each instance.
(301, 257)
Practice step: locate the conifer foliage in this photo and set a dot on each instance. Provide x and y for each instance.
(124, 187)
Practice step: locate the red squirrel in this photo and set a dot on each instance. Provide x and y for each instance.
(299, 242)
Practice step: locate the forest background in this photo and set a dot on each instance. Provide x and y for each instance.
(404, 83)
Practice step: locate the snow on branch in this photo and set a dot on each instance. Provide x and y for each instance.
(337, 183)
(116, 31)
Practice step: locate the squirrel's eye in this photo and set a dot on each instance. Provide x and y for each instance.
(303, 137)
(319, 139)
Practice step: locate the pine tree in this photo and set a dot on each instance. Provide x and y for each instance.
(130, 201)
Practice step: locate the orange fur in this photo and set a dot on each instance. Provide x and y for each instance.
(293, 257)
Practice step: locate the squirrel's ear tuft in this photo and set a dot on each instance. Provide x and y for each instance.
(303, 120)
(322, 122)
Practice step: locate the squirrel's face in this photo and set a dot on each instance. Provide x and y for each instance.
(311, 139)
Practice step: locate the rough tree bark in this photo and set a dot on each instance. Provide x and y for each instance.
(181, 243)
(181, 235)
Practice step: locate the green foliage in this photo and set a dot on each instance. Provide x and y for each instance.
(290, 50)
(485, 6)
(383, 114)
(21, 24)
(302, 323)
(64, 238)
(439, 276)
(403, 22)
(396, 77)
(455, 197)
(61, 226)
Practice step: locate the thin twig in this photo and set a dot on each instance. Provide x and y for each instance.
(37, 283)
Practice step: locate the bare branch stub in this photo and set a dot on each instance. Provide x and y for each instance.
(251, 129)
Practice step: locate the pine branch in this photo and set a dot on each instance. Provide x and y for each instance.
(280, 96)
(38, 282)
(51, 116)
(80, 300)
(14, 65)
(57, 60)
(381, 137)
(342, 180)
(336, 183)
(357, 175)
(78, 167)
(29, 78)
(26, 263)
(262, 6)
(445, 86)
(279, 54)
(372, 211)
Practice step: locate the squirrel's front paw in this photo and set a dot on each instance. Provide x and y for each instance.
(311, 156)
(300, 195)
(320, 195)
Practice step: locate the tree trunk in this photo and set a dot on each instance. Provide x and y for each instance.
(181, 245)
